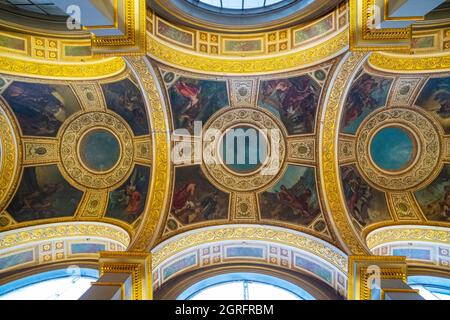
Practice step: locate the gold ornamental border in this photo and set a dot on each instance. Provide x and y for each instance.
(328, 154)
(390, 234)
(288, 237)
(397, 63)
(10, 157)
(213, 166)
(161, 167)
(69, 138)
(23, 236)
(427, 137)
(68, 71)
(240, 65)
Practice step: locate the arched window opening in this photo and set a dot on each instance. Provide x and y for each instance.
(431, 288)
(244, 286)
(61, 284)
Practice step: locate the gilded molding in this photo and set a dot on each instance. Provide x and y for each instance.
(20, 237)
(244, 206)
(283, 236)
(75, 71)
(362, 269)
(408, 233)
(70, 163)
(402, 206)
(397, 63)
(93, 204)
(10, 157)
(273, 167)
(137, 264)
(39, 151)
(329, 154)
(292, 60)
(90, 95)
(161, 166)
(301, 150)
(426, 134)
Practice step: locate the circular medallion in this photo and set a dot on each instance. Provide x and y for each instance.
(399, 149)
(99, 150)
(96, 150)
(244, 149)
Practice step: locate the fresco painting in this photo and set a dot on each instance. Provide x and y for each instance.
(78, 248)
(195, 199)
(434, 199)
(43, 194)
(435, 98)
(196, 100)
(293, 199)
(125, 99)
(410, 253)
(366, 204)
(179, 265)
(315, 30)
(127, 203)
(41, 109)
(293, 100)
(315, 268)
(367, 93)
(177, 35)
(235, 252)
(16, 259)
(243, 45)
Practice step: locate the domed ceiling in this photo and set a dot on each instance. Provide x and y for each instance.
(132, 160)
(84, 151)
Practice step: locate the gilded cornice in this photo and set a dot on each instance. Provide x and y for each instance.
(293, 60)
(161, 169)
(68, 71)
(282, 236)
(408, 233)
(329, 154)
(20, 237)
(397, 63)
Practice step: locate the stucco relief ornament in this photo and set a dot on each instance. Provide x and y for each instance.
(268, 172)
(88, 173)
(426, 155)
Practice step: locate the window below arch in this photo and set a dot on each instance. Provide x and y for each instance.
(244, 286)
(62, 284)
(431, 288)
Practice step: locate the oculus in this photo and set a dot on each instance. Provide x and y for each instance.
(393, 148)
(99, 150)
(243, 149)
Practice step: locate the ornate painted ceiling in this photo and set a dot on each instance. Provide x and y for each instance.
(95, 158)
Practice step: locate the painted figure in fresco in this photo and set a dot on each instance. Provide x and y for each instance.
(196, 100)
(209, 205)
(295, 100)
(192, 109)
(367, 94)
(445, 204)
(124, 98)
(43, 193)
(443, 98)
(293, 199)
(195, 199)
(182, 203)
(358, 195)
(39, 108)
(128, 201)
(299, 204)
(134, 200)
